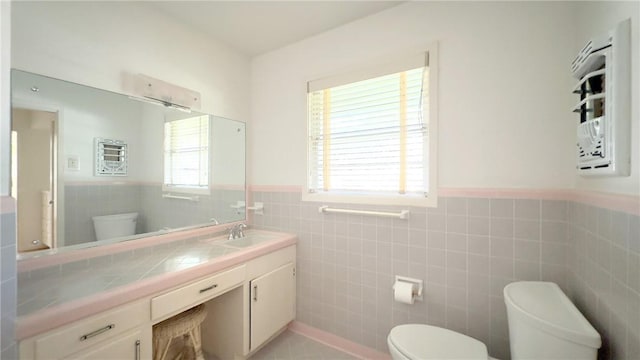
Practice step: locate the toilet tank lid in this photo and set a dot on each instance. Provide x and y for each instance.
(132, 215)
(545, 306)
(419, 341)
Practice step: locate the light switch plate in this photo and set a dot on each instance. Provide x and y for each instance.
(73, 163)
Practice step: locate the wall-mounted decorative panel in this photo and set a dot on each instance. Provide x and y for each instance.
(603, 134)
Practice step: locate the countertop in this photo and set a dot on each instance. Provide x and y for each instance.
(54, 296)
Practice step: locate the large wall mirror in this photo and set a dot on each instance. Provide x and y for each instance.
(91, 167)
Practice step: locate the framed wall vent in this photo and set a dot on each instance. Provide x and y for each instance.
(111, 157)
(603, 70)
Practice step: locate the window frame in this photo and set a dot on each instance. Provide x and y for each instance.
(167, 188)
(431, 197)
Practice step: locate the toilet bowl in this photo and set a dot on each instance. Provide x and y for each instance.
(543, 324)
(417, 341)
(113, 226)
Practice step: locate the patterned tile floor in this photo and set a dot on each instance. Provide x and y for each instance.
(292, 346)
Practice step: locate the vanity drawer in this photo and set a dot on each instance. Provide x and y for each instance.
(196, 293)
(88, 332)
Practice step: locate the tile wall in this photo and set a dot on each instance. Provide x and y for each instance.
(9, 282)
(604, 275)
(466, 250)
(82, 202)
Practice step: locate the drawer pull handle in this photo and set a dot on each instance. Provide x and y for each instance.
(255, 292)
(97, 332)
(208, 288)
(137, 349)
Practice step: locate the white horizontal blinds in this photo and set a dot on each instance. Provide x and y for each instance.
(370, 136)
(186, 146)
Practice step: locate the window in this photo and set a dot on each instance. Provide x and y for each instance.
(186, 155)
(369, 136)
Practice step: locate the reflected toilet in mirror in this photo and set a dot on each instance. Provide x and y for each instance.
(114, 226)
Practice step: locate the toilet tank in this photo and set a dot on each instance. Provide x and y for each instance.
(113, 226)
(545, 324)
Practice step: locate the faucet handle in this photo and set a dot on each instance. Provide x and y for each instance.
(241, 227)
(232, 232)
(236, 231)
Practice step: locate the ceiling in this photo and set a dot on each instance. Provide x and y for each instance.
(256, 27)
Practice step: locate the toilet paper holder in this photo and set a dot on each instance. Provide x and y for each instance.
(416, 286)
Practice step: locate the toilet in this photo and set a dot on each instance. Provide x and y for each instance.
(543, 324)
(417, 341)
(113, 226)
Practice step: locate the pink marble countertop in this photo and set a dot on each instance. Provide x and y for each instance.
(52, 297)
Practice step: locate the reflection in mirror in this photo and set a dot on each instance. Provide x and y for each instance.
(91, 167)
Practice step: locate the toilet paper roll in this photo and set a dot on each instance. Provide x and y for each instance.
(403, 292)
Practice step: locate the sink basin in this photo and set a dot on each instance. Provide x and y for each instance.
(249, 240)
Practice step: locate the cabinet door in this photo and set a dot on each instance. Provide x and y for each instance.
(131, 346)
(272, 303)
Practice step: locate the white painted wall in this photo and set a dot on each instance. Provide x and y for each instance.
(96, 43)
(595, 18)
(504, 119)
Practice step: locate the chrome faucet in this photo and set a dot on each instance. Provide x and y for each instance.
(237, 231)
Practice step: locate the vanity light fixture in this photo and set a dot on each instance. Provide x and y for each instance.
(162, 103)
(156, 91)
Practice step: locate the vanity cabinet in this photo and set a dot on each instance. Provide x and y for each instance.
(248, 303)
(128, 346)
(272, 303)
(191, 295)
(120, 333)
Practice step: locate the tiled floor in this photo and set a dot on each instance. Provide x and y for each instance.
(292, 346)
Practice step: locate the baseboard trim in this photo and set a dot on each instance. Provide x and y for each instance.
(337, 342)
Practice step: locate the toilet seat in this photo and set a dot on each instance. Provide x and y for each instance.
(418, 341)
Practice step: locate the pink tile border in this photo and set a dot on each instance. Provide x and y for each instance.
(136, 182)
(618, 202)
(541, 194)
(7, 205)
(338, 343)
(275, 188)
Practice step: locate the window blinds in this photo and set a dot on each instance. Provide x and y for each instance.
(186, 147)
(369, 136)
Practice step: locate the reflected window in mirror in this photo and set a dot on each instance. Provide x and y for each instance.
(186, 155)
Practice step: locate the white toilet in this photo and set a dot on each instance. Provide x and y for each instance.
(417, 341)
(113, 226)
(543, 324)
